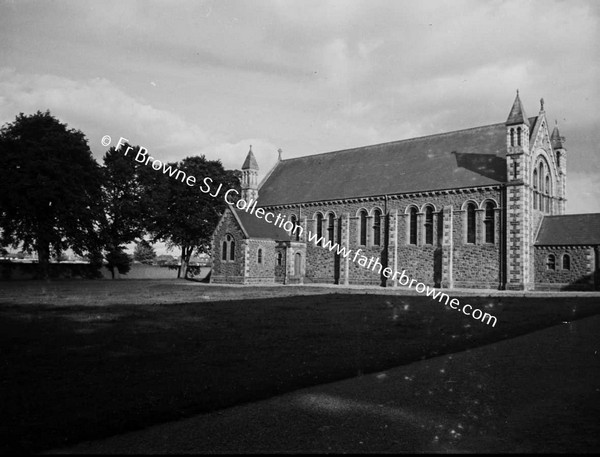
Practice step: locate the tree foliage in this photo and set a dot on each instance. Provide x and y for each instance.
(54, 196)
(144, 253)
(50, 188)
(185, 216)
(122, 198)
(118, 259)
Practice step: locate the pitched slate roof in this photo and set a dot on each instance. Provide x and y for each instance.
(256, 227)
(517, 113)
(535, 123)
(465, 158)
(569, 229)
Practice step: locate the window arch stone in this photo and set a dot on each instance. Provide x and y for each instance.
(362, 227)
(319, 228)
(428, 223)
(377, 217)
(412, 226)
(489, 221)
(330, 220)
(471, 223)
(228, 248)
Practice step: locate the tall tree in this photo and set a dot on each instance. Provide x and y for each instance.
(50, 195)
(144, 252)
(184, 216)
(122, 196)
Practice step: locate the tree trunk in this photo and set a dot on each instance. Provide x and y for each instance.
(43, 251)
(180, 265)
(185, 260)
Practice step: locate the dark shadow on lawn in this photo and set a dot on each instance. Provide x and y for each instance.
(86, 372)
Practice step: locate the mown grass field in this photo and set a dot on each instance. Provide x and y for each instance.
(86, 371)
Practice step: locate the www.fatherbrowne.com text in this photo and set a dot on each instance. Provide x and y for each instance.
(231, 197)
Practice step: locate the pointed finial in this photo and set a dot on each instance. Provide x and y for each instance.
(541, 104)
(279, 151)
(250, 148)
(556, 122)
(517, 113)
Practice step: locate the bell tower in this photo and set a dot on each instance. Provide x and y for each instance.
(250, 177)
(518, 199)
(517, 141)
(560, 153)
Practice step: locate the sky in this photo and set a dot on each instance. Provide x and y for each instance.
(185, 78)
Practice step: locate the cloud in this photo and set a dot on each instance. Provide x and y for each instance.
(98, 107)
(308, 76)
(583, 193)
(233, 154)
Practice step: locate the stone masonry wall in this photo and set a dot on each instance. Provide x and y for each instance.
(263, 272)
(228, 271)
(475, 265)
(579, 276)
(280, 269)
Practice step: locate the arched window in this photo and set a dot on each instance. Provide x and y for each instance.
(551, 262)
(547, 190)
(296, 233)
(330, 227)
(428, 225)
(566, 262)
(512, 137)
(413, 226)
(228, 247)
(363, 228)
(471, 220)
(279, 258)
(558, 158)
(541, 186)
(535, 189)
(377, 227)
(259, 255)
(489, 222)
(319, 229)
(519, 136)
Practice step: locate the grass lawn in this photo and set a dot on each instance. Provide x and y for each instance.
(75, 372)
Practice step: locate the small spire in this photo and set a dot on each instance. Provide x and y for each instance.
(279, 151)
(541, 105)
(517, 113)
(555, 139)
(250, 162)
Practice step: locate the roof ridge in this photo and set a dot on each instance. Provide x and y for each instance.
(395, 141)
(577, 214)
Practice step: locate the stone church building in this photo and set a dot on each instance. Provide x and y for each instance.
(479, 208)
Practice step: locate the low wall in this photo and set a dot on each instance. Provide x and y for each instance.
(141, 271)
(26, 271)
